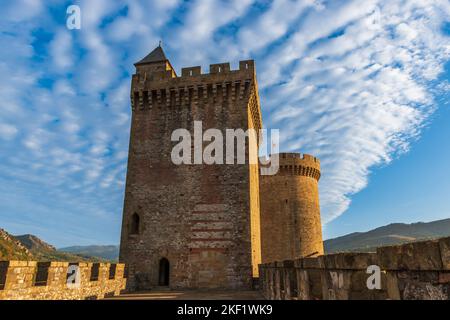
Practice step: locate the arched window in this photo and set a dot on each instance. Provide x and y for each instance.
(134, 225)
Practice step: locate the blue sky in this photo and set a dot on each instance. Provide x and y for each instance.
(365, 88)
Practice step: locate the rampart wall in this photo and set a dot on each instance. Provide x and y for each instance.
(31, 280)
(414, 271)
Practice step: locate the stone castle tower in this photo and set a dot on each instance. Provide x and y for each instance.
(290, 211)
(190, 226)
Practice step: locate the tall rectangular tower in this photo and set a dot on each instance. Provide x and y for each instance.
(190, 225)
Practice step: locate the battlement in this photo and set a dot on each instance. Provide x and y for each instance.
(295, 155)
(412, 271)
(161, 86)
(167, 74)
(296, 164)
(155, 86)
(34, 280)
(219, 68)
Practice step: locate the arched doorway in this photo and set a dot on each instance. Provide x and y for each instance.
(164, 272)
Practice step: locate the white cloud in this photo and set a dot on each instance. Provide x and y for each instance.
(7, 131)
(194, 38)
(272, 24)
(61, 50)
(22, 10)
(358, 98)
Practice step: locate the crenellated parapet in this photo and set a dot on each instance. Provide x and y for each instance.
(192, 86)
(413, 271)
(297, 164)
(32, 280)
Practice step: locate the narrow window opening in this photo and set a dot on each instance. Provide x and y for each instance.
(135, 222)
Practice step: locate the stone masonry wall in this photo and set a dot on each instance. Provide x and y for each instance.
(415, 271)
(21, 280)
(290, 209)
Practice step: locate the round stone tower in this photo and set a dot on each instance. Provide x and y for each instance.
(290, 210)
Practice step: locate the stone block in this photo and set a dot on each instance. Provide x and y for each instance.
(444, 277)
(314, 263)
(59, 264)
(298, 263)
(288, 263)
(444, 246)
(350, 260)
(423, 255)
(16, 263)
(314, 282)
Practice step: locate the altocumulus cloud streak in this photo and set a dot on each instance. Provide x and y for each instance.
(348, 82)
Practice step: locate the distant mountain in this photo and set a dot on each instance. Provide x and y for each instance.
(395, 233)
(110, 252)
(42, 251)
(11, 248)
(33, 243)
(30, 247)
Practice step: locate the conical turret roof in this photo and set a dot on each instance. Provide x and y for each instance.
(157, 55)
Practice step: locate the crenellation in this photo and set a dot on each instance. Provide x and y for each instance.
(298, 164)
(343, 276)
(247, 65)
(218, 73)
(219, 68)
(191, 71)
(48, 280)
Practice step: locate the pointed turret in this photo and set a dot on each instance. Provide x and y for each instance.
(155, 61)
(157, 55)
